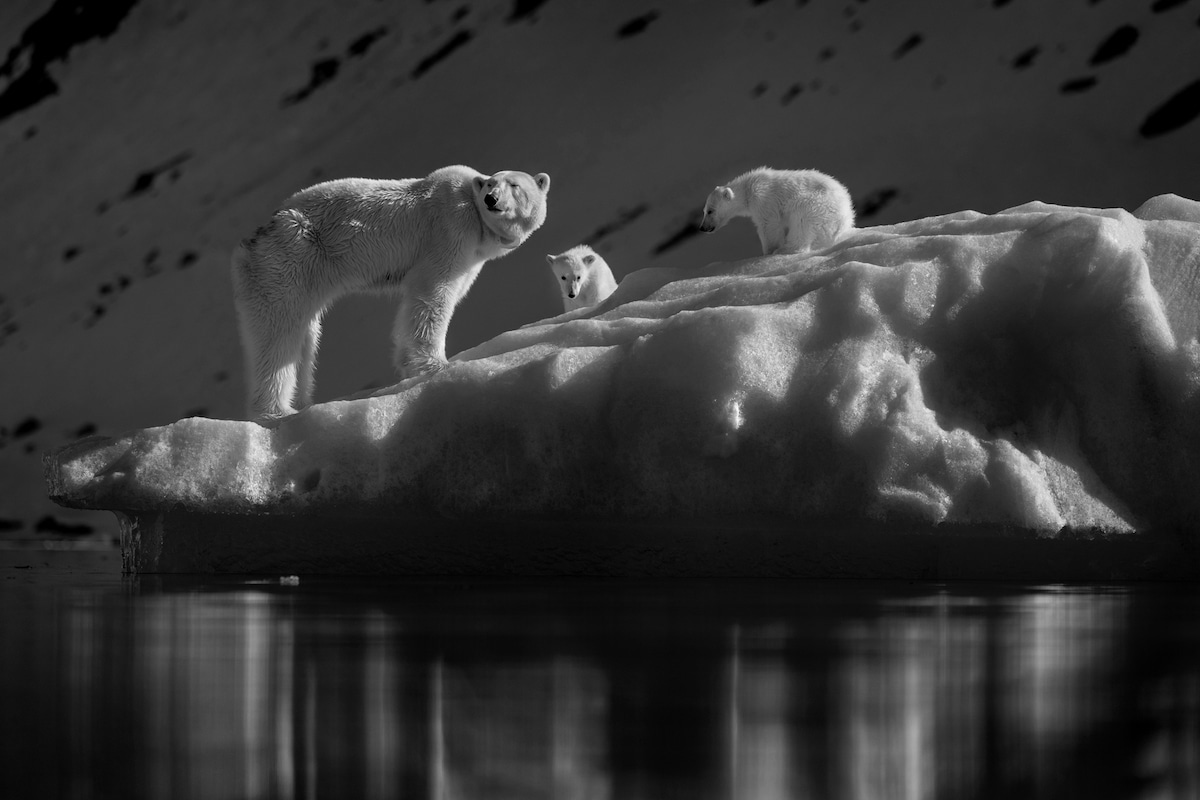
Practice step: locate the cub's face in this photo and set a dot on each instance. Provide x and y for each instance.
(512, 204)
(571, 270)
(716, 209)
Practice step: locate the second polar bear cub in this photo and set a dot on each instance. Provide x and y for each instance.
(794, 211)
(583, 276)
(423, 240)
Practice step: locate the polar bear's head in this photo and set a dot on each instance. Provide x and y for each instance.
(718, 209)
(572, 269)
(512, 204)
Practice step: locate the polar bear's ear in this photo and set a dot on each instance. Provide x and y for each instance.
(588, 259)
(542, 180)
(549, 259)
(727, 193)
(479, 181)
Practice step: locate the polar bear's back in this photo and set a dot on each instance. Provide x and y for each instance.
(346, 190)
(370, 198)
(363, 221)
(809, 189)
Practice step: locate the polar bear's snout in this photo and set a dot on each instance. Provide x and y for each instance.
(493, 192)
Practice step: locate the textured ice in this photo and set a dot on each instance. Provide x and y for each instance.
(1035, 368)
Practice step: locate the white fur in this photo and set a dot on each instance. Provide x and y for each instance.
(794, 211)
(423, 240)
(583, 276)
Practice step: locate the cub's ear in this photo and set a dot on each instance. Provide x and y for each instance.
(727, 193)
(549, 259)
(588, 259)
(479, 181)
(542, 180)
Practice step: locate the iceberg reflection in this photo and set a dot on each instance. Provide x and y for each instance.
(955, 697)
(762, 693)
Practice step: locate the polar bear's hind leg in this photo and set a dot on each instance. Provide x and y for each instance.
(274, 370)
(273, 337)
(307, 370)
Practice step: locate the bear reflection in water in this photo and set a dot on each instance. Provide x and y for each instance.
(494, 690)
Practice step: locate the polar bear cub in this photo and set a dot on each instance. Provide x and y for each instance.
(583, 276)
(794, 211)
(423, 240)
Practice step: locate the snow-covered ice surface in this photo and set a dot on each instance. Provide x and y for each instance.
(1035, 369)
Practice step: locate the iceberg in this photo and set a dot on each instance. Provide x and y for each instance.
(1009, 395)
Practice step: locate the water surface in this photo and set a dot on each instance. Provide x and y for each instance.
(757, 690)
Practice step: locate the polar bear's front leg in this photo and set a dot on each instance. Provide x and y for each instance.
(427, 301)
(769, 247)
(419, 332)
(768, 237)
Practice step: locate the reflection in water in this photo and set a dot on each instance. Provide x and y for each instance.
(604, 690)
(955, 697)
(521, 731)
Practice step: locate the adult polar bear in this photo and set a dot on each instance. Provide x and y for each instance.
(423, 239)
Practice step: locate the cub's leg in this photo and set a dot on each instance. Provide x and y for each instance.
(826, 227)
(772, 236)
(806, 236)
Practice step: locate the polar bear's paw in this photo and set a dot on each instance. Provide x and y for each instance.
(414, 366)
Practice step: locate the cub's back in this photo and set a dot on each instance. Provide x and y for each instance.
(806, 183)
(813, 191)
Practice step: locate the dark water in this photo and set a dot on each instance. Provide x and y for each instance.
(757, 690)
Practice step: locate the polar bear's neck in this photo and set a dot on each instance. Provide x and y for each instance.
(749, 190)
(500, 237)
(491, 235)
